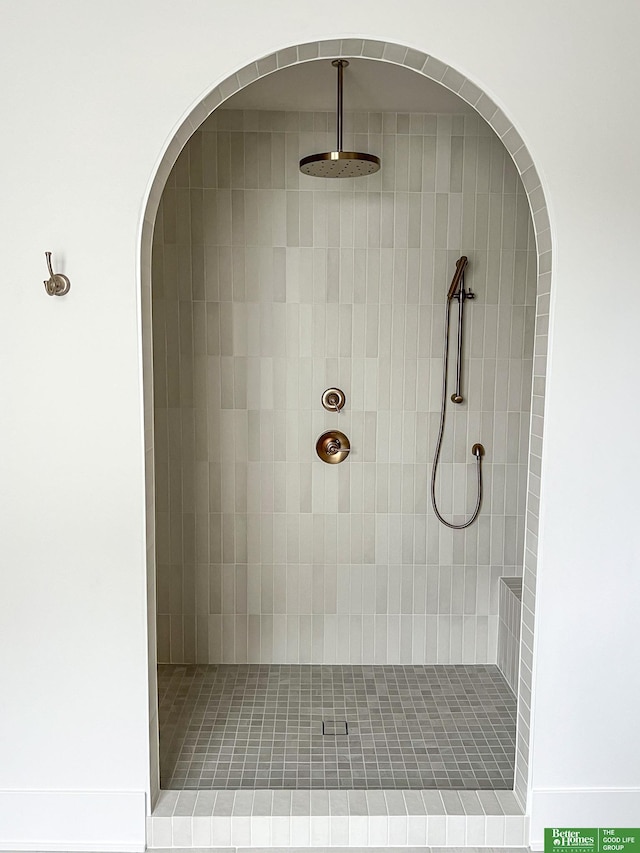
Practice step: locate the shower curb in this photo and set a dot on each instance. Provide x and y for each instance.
(340, 849)
(368, 819)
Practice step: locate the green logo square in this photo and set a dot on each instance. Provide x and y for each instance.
(603, 840)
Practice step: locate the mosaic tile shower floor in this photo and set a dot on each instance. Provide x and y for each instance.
(261, 726)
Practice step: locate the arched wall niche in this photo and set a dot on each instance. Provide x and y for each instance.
(437, 71)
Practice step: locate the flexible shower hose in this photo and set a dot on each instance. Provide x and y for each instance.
(436, 457)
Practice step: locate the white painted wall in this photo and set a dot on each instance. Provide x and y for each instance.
(91, 94)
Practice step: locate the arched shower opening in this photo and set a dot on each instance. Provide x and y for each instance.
(231, 332)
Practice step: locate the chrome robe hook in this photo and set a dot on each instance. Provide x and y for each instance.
(57, 284)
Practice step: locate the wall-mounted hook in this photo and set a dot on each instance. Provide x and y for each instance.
(58, 284)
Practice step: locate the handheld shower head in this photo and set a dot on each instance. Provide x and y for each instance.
(461, 263)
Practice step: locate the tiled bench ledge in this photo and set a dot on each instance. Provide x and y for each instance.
(509, 620)
(259, 819)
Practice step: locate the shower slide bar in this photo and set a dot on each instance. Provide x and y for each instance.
(461, 295)
(456, 291)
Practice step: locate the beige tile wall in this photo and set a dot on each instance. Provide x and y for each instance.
(270, 286)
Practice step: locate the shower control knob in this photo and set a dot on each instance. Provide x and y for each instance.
(333, 447)
(333, 399)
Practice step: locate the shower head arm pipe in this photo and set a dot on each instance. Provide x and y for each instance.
(340, 64)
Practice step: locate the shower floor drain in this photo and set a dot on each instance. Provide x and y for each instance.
(335, 727)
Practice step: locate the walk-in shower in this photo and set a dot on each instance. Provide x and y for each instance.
(317, 626)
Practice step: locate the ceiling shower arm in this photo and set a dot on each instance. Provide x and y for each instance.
(339, 64)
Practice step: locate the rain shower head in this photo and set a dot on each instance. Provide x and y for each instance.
(460, 265)
(339, 163)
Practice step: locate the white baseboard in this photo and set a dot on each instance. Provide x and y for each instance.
(92, 821)
(595, 808)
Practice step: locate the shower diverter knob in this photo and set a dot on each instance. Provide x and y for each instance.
(333, 399)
